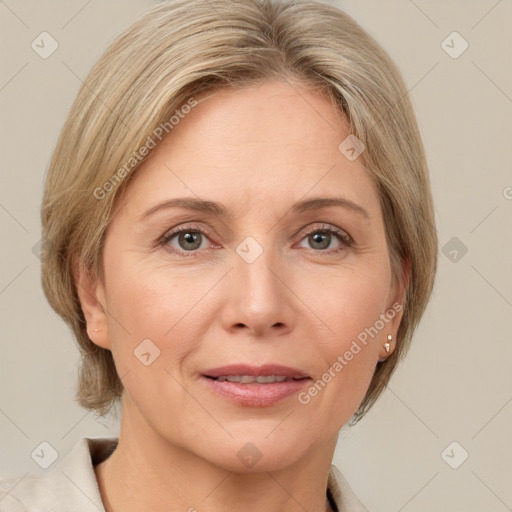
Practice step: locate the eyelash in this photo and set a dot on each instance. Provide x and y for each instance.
(343, 237)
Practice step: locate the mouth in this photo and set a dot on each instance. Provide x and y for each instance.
(250, 379)
(255, 386)
(247, 374)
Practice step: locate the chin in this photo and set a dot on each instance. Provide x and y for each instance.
(250, 459)
(261, 452)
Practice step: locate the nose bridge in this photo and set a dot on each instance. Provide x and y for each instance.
(253, 269)
(258, 295)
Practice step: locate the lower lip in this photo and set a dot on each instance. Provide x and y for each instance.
(256, 395)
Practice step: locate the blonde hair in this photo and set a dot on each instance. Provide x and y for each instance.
(181, 49)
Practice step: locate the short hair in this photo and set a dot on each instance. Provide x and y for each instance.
(180, 49)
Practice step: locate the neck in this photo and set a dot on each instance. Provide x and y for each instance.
(147, 472)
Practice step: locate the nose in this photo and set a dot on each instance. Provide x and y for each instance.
(258, 298)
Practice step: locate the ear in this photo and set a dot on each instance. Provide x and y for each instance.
(91, 294)
(395, 308)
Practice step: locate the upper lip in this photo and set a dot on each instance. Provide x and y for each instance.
(255, 371)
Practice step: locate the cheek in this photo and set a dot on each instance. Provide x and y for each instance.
(348, 301)
(149, 300)
(150, 331)
(349, 306)
(141, 300)
(138, 302)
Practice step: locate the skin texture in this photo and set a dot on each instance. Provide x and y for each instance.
(257, 151)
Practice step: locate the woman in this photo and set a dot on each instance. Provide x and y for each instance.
(239, 230)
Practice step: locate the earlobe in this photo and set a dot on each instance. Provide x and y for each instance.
(92, 299)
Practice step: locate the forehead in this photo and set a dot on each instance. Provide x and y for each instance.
(259, 145)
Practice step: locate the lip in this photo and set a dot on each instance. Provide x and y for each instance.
(255, 394)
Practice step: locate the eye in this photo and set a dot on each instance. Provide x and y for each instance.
(320, 238)
(189, 240)
(184, 240)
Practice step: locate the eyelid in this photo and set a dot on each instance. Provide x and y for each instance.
(331, 229)
(184, 227)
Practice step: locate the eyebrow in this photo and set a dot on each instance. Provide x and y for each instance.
(211, 207)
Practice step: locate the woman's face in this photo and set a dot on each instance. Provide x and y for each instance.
(265, 279)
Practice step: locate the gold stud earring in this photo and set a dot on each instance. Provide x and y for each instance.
(387, 344)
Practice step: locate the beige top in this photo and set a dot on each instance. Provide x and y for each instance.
(71, 485)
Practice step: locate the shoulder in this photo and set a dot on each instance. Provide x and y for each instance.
(71, 484)
(342, 494)
(29, 492)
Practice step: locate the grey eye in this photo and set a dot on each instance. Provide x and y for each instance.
(320, 240)
(189, 240)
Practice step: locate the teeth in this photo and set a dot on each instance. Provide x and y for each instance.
(250, 379)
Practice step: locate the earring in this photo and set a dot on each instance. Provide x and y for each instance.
(95, 330)
(387, 344)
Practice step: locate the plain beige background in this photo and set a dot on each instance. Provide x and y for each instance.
(455, 385)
